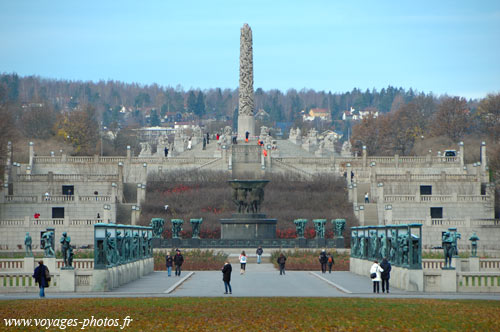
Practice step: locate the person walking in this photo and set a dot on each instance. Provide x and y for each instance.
(226, 276)
(367, 198)
(190, 144)
(259, 252)
(243, 262)
(42, 277)
(178, 260)
(375, 274)
(386, 274)
(331, 262)
(281, 263)
(169, 261)
(323, 259)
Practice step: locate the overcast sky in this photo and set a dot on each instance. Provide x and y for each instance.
(441, 46)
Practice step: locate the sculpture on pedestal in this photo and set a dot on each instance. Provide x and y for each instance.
(176, 228)
(157, 224)
(339, 226)
(300, 226)
(27, 243)
(65, 245)
(319, 227)
(246, 121)
(473, 239)
(447, 244)
(47, 239)
(196, 225)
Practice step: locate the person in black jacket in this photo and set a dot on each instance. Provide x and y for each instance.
(281, 263)
(226, 276)
(386, 275)
(178, 260)
(323, 259)
(259, 253)
(42, 277)
(169, 262)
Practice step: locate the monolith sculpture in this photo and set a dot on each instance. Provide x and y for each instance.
(246, 120)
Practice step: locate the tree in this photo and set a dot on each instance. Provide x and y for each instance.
(81, 129)
(191, 101)
(154, 119)
(38, 122)
(451, 119)
(200, 105)
(489, 114)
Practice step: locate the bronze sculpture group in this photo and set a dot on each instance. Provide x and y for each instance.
(248, 200)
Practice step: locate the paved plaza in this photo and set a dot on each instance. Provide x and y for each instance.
(260, 280)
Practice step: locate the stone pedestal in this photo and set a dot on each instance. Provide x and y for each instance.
(339, 242)
(67, 280)
(246, 123)
(251, 226)
(321, 243)
(194, 242)
(456, 263)
(29, 264)
(474, 265)
(448, 280)
(50, 262)
(302, 242)
(176, 242)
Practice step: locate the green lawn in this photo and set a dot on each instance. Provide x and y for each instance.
(262, 314)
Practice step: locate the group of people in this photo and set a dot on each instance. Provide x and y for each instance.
(326, 259)
(177, 260)
(380, 273)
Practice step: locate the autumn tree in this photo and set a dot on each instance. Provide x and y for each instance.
(81, 129)
(451, 119)
(38, 122)
(489, 114)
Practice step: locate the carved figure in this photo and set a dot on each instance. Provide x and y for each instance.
(300, 226)
(255, 197)
(176, 228)
(447, 244)
(362, 246)
(373, 244)
(240, 199)
(70, 257)
(246, 103)
(145, 150)
(126, 246)
(473, 239)
(319, 227)
(394, 247)
(110, 249)
(27, 243)
(339, 227)
(195, 225)
(404, 246)
(355, 244)
(47, 238)
(157, 224)
(65, 245)
(383, 246)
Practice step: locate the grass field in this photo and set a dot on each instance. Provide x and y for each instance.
(259, 314)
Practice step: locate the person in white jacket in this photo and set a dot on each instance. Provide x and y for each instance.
(377, 270)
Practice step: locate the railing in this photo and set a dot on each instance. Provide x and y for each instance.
(82, 222)
(12, 222)
(58, 198)
(432, 264)
(473, 198)
(447, 222)
(66, 177)
(426, 177)
(489, 264)
(23, 282)
(20, 199)
(78, 264)
(399, 198)
(436, 198)
(478, 282)
(94, 198)
(48, 222)
(11, 264)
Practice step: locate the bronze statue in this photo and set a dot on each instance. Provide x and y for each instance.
(65, 240)
(27, 243)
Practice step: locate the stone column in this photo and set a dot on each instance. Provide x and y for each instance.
(129, 153)
(354, 193)
(32, 153)
(246, 120)
(388, 214)
(461, 153)
(380, 192)
(144, 172)
(484, 163)
(365, 154)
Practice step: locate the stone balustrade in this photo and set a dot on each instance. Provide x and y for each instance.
(12, 264)
(425, 177)
(29, 222)
(66, 177)
(478, 282)
(432, 264)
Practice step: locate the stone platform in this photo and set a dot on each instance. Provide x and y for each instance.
(248, 226)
